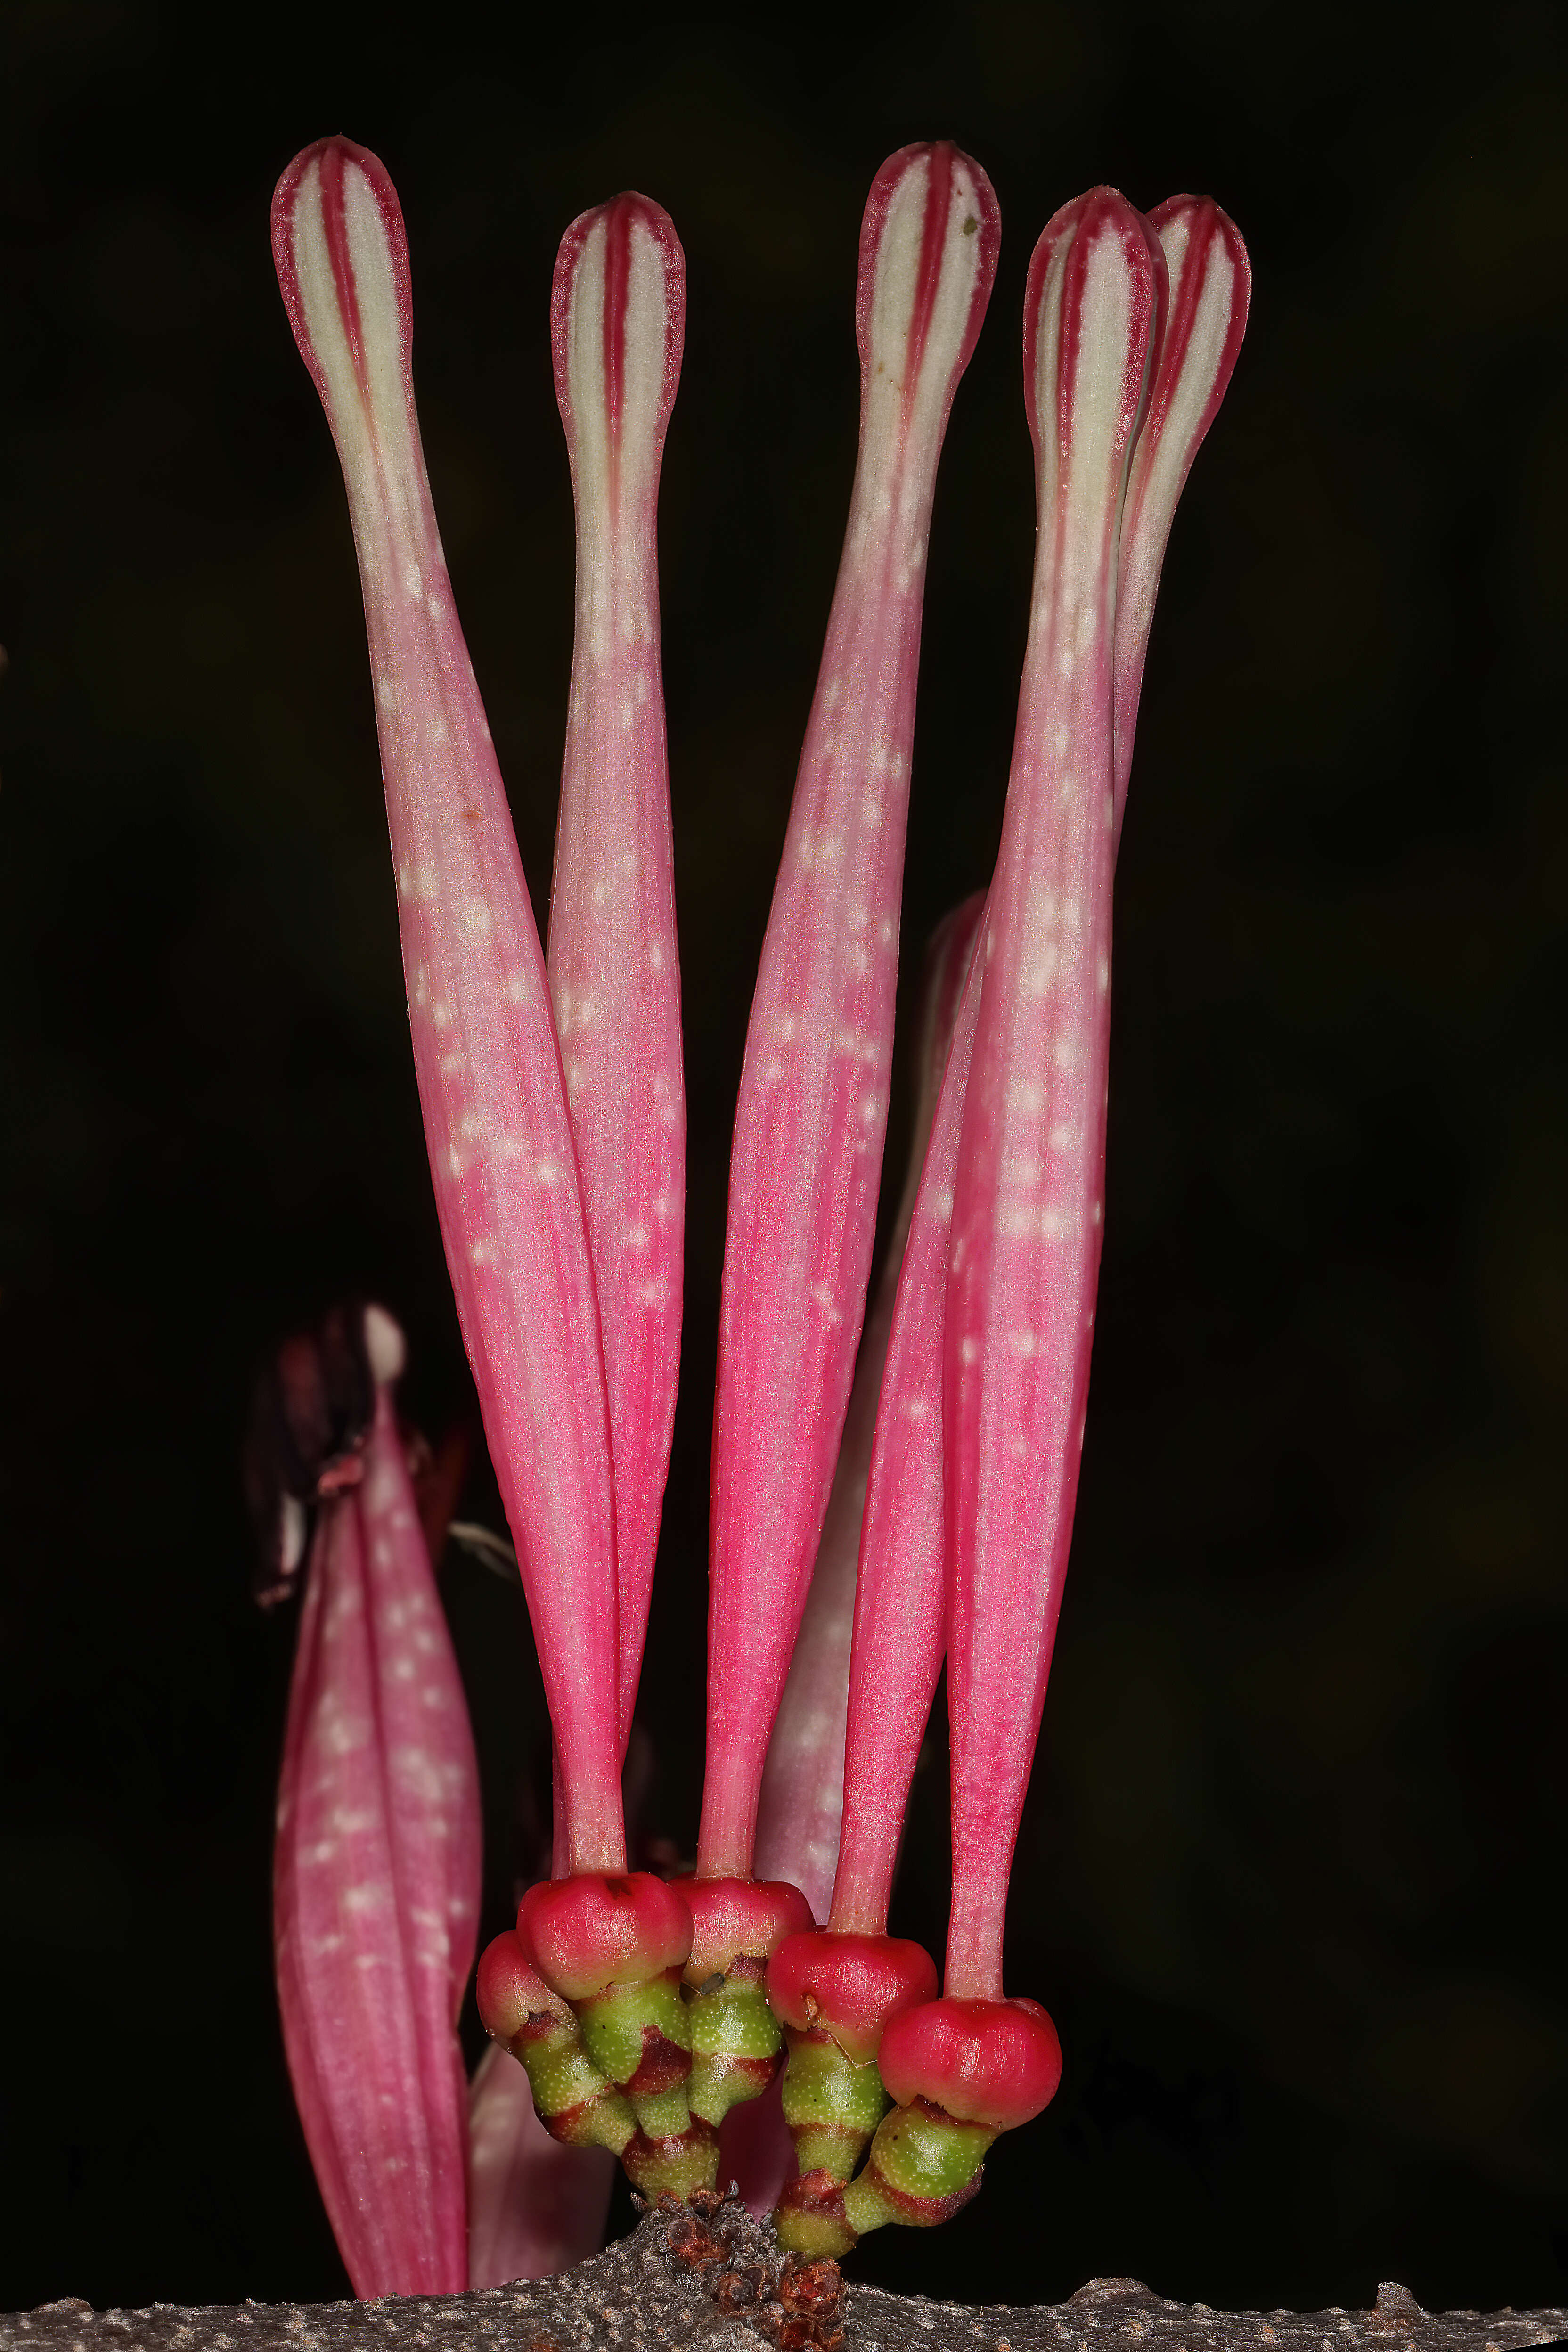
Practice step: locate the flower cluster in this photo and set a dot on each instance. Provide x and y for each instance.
(883, 1498)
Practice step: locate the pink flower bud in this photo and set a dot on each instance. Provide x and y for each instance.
(376, 1877)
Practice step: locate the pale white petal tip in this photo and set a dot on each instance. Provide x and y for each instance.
(384, 1346)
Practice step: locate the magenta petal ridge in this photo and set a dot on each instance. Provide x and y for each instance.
(1205, 320)
(618, 317)
(803, 1803)
(814, 1092)
(376, 1879)
(900, 1600)
(1027, 1223)
(536, 2206)
(495, 1119)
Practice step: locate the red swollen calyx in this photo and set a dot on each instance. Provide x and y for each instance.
(988, 2061)
(585, 1933)
(847, 1986)
(738, 1918)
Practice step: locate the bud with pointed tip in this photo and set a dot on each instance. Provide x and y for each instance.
(376, 1876)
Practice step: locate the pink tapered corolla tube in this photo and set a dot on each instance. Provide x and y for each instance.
(376, 1878)
(1028, 1196)
(971, 2065)
(1202, 329)
(536, 2206)
(814, 1092)
(496, 1118)
(617, 319)
(802, 1799)
(900, 1600)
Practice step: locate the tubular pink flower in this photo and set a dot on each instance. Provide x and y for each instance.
(901, 1602)
(376, 1878)
(814, 1091)
(616, 317)
(491, 1084)
(803, 1798)
(1210, 282)
(536, 2206)
(1026, 1221)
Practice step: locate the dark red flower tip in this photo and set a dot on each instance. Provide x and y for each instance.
(848, 1984)
(989, 2062)
(600, 1928)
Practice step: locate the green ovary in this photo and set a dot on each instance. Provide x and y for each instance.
(618, 2024)
(571, 2096)
(831, 2104)
(735, 2046)
(921, 2171)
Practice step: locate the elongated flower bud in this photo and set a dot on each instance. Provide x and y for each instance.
(376, 1877)
(1028, 1201)
(964, 2069)
(834, 1993)
(802, 1810)
(814, 1092)
(901, 1612)
(495, 1119)
(617, 317)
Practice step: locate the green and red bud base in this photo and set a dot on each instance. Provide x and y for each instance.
(833, 1994)
(614, 1944)
(737, 1926)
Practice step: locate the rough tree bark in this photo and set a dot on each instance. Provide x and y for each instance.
(719, 2283)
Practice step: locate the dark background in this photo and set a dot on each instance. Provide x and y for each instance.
(1290, 1879)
